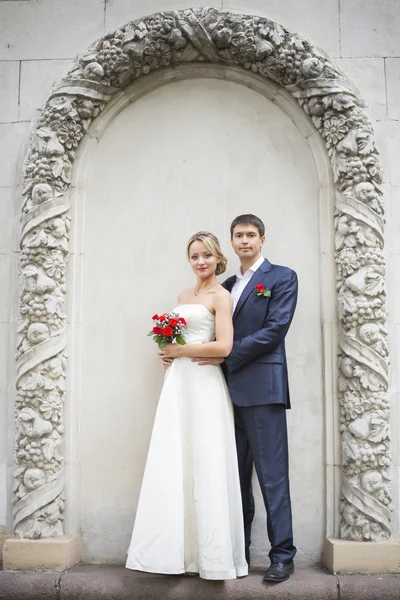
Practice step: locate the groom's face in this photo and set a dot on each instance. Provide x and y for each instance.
(246, 241)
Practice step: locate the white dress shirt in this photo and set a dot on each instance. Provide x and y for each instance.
(242, 281)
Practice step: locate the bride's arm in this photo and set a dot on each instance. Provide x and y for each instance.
(223, 334)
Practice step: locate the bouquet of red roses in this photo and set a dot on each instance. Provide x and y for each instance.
(167, 329)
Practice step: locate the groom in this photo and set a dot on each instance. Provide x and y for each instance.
(264, 300)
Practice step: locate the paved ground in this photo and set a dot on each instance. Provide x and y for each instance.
(92, 582)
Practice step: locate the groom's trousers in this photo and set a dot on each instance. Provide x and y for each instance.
(261, 439)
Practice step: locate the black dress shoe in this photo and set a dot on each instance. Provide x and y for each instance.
(278, 572)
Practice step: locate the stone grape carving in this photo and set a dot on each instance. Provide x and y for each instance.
(257, 44)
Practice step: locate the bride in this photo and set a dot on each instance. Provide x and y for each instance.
(189, 517)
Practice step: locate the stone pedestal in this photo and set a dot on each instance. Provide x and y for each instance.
(343, 556)
(48, 554)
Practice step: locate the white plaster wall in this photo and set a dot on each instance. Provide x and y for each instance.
(189, 156)
(39, 39)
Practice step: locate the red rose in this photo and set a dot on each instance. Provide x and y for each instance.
(161, 318)
(167, 331)
(157, 330)
(260, 287)
(173, 322)
(182, 320)
(155, 317)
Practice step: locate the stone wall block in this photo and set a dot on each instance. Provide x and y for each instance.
(42, 29)
(396, 290)
(9, 77)
(392, 66)
(12, 136)
(4, 287)
(395, 224)
(4, 358)
(6, 219)
(369, 28)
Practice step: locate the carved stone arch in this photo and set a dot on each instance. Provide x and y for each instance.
(112, 64)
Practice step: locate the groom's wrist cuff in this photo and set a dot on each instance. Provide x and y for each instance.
(233, 366)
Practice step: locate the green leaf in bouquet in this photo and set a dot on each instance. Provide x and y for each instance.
(180, 340)
(150, 333)
(162, 345)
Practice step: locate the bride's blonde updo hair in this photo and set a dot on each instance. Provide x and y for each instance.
(212, 244)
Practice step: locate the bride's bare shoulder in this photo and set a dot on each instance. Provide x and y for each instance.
(222, 297)
(222, 292)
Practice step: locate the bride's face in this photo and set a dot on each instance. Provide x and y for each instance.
(201, 260)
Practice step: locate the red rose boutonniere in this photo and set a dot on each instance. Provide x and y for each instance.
(262, 290)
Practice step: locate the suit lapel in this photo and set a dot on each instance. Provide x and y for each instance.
(257, 278)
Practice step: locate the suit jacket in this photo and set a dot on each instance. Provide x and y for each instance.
(256, 369)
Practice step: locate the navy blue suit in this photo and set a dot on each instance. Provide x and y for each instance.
(256, 374)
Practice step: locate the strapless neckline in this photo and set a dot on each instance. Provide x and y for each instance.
(197, 304)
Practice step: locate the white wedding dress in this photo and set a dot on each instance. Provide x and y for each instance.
(189, 517)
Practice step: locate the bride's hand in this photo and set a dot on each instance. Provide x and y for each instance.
(171, 351)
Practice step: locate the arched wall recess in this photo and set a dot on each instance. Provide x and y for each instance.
(250, 44)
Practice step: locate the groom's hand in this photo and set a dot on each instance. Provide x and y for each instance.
(166, 362)
(208, 361)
